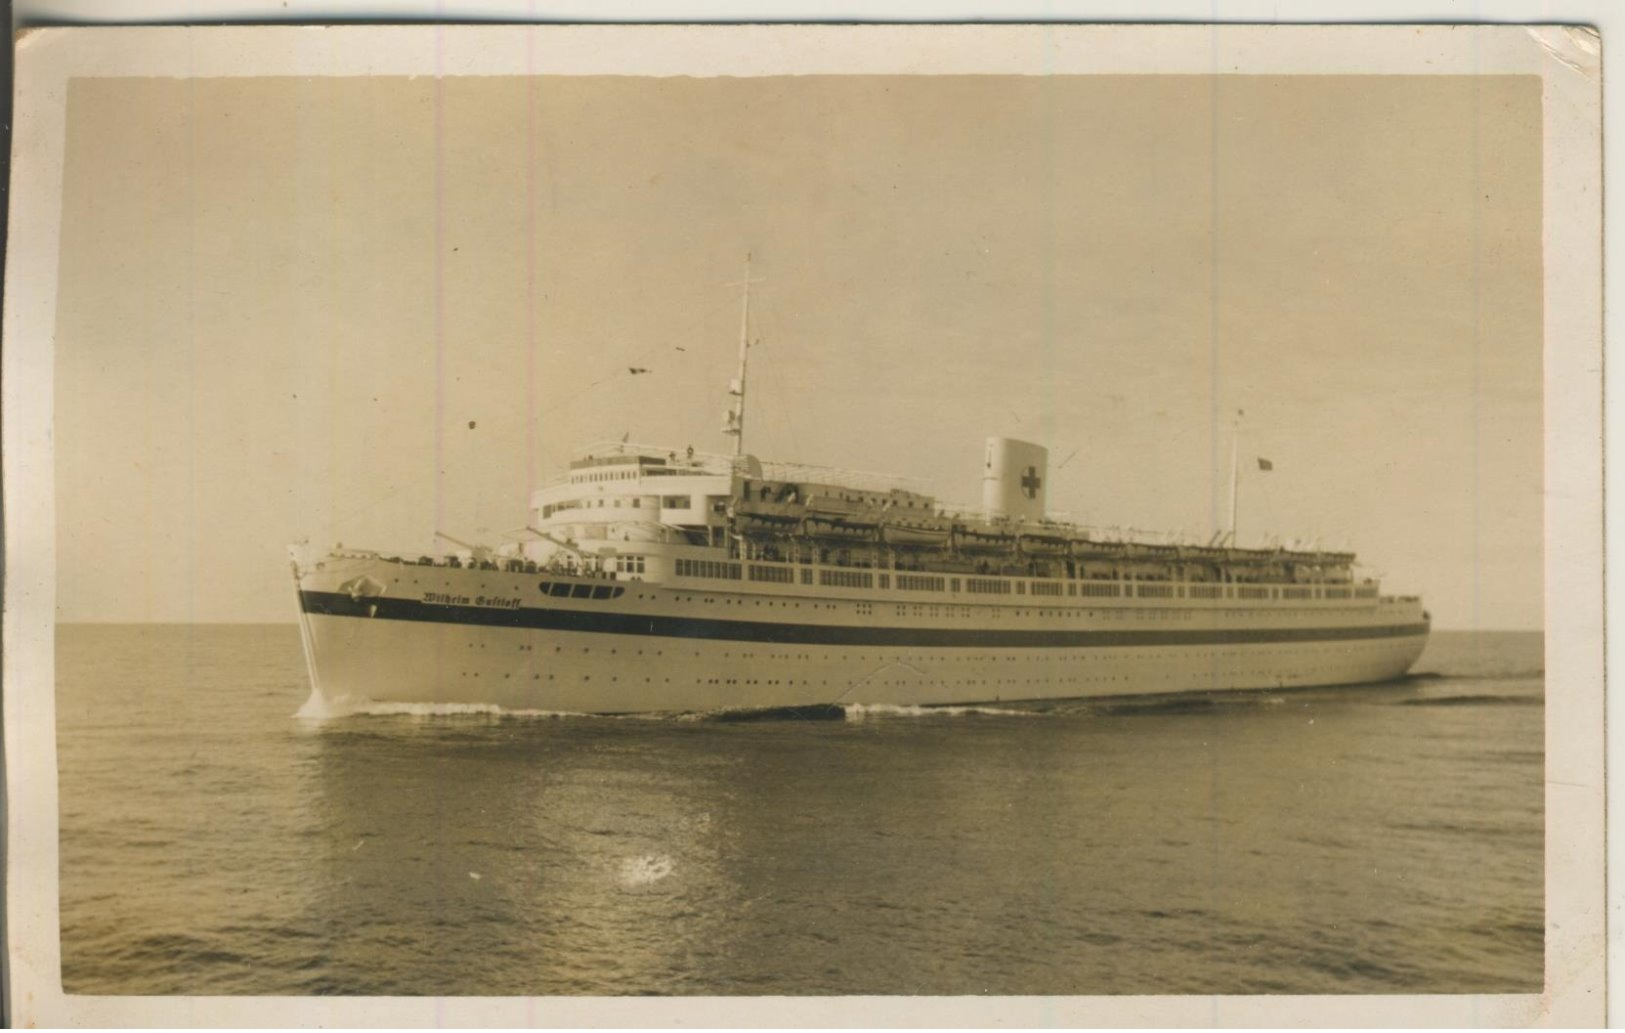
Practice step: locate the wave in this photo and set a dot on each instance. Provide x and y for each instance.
(862, 711)
(1164, 705)
(1493, 676)
(1180, 703)
(1473, 699)
(461, 710)
(324, 708)
(642, 871)
(806, 712)
(319, 708)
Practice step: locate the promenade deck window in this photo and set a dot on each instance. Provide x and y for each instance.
(919, 583)
(708, 568)
(846, 578)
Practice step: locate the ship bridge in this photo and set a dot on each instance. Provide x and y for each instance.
(622, 492)
(618, 492)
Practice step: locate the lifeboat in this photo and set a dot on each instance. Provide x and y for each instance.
(766, 518)
(1043, 545)
(916, 533)
(837, 528)
(763, 524)
(827, 503)
(1084, 549)
(983, 539)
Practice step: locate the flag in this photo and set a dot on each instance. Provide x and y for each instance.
(1265, 464)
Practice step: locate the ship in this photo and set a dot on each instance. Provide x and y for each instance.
(652, 579)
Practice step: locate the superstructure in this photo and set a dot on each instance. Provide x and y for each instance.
(663, 579)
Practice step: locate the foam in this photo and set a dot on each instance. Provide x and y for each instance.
(642, 871)
(861, 711)
(460, 710)
(320, 707)
(324, 708)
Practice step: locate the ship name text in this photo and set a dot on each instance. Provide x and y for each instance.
(447, 599)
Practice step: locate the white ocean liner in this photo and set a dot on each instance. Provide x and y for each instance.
(658, 579)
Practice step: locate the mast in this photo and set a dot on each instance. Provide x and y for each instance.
(735, 417)
(1235, 474)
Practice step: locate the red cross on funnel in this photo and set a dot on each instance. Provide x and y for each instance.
(1031, 482)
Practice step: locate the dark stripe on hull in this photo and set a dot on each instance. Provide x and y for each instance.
(603, 623)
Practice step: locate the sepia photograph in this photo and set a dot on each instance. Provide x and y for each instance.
(777, 511)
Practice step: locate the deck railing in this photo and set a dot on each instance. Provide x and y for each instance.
(911, 582)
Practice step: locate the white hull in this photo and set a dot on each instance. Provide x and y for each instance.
(400, 633)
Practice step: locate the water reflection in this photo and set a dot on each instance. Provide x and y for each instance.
(579, 852)
(1172, 848)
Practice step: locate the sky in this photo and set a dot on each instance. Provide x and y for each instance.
(360, 310)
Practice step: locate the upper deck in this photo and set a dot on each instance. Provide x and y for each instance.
(774, 590)
(619, 498)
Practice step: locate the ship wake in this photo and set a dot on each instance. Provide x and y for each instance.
(321, 708)
(865, 711)
(325, 708)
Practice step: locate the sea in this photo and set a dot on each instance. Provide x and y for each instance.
(222, 835)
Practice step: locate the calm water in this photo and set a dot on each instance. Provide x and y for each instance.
(1375, 839)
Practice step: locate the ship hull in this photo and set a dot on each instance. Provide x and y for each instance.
(396, 633)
